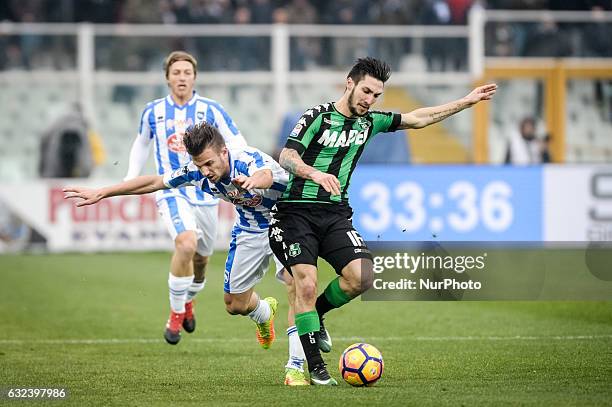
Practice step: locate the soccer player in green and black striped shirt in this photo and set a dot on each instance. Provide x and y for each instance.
(313, 217)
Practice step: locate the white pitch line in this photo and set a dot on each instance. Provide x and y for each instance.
(120, 341)
(512, 338)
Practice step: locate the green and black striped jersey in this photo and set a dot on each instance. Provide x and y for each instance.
(332, 143)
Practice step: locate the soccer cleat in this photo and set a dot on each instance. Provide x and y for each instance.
(265, 330)
(323, 339)
(295, 377)
(189, 322)
(319, 376)
(172, 334)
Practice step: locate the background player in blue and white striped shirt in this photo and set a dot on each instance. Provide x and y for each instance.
(252, 181)
(190, 215)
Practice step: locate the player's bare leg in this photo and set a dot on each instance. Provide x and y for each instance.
(181, 277)
(262, 312)
(184, 249)
(199, 281)
(357, 277)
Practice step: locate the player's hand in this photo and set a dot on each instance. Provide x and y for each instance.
(89, 196)
(244, 182)
(328, 181)
(484, 92)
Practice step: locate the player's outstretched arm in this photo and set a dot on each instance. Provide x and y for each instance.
(136, 186)
(425, 116)
(260, 179)
(139, 153)
(291, 161)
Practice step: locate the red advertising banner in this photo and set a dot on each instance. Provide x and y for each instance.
(36, 216)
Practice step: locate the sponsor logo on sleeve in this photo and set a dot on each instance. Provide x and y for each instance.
(296, 130)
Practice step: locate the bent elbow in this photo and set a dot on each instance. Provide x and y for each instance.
(283, 154)
(284, 157)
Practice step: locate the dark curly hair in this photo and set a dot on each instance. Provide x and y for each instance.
(370, 66)
(202, 136)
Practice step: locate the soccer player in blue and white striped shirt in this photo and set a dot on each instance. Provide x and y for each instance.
(252, 181)
(190, 215)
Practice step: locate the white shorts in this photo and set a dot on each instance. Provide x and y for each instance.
(179, 215)
(247, 260)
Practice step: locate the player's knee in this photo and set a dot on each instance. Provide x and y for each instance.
(307, 290)
(366, 276)
(185, 244)
(360, 279)
(233, 306)
(367, 280)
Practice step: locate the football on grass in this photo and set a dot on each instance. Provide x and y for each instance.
(361, 364)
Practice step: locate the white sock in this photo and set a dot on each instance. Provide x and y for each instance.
(296, 352)
(178, 292)
(194, 289)
(261, 313)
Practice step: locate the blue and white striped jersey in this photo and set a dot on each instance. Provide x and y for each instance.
(165, 123)
(253, 206)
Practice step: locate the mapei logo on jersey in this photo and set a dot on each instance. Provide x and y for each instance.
(335, 139)
(175, 143)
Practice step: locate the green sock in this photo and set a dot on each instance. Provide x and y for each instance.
(332, 297)
(335, 295)
(307, 322)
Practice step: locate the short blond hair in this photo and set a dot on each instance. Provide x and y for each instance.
(180, 56)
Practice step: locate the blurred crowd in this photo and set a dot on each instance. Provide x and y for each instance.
(228, 11)
(268, 11)
(503, 39)
(549, 38)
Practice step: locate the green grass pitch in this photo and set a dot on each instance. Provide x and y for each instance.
(92, 323)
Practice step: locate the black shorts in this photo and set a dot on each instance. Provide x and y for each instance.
(301, 232)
